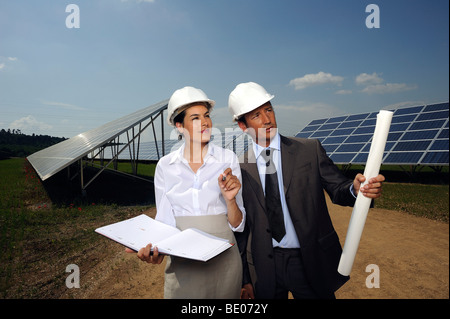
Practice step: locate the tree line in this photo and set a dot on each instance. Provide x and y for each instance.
(14, 143)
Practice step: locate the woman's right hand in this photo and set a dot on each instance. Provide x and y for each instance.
(146, 254)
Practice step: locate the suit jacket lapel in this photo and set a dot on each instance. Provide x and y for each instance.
(252, 170)
(287, 161)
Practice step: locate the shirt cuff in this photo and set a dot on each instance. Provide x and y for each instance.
(241, 226)
(351, 191)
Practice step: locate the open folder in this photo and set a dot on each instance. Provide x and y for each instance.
(137, 232)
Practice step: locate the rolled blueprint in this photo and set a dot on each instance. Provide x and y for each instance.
(362, 204)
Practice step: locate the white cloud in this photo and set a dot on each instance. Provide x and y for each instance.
(374, 84)
(5, 61)
(367, 79)
(29, 124)
(388, 88)
(343, 92)
(315, 79)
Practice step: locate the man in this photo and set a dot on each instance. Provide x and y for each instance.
(289, 243)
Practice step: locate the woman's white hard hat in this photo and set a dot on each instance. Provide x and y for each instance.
(246, 97)
(183, 97)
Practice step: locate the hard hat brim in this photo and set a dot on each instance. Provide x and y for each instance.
(236, 117)
(182, 107)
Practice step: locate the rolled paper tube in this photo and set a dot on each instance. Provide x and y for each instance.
(362, 204)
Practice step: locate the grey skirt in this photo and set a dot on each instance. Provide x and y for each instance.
(218, 278)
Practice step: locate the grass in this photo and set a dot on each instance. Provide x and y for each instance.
(39, 239)
(430, 201)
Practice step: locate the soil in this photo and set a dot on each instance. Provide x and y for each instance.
(412, 255)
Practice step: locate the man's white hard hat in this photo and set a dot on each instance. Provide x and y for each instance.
(183, 97)
(246, 97)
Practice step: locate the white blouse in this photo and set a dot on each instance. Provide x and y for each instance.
(181, 192)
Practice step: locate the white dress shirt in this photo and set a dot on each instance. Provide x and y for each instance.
(181, 192)
(289, 240)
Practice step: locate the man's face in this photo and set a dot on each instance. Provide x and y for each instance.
(261, 124)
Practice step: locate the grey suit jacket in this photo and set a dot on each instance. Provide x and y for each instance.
(307, 172)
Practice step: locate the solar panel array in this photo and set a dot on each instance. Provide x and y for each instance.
(53, 159)
(418, 136)
(234, 140)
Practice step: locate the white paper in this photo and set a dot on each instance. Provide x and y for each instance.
(362, 204)
(138, 232)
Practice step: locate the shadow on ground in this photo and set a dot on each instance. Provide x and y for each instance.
(109, 187)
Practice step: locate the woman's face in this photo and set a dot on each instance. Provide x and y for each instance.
(196, 125)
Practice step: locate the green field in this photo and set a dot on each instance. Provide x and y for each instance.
(38, 239)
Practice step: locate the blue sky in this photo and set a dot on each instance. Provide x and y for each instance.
(318, 58)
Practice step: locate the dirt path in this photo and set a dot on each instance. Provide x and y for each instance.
(412, 255)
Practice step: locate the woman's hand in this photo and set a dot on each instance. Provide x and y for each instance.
(146, 254)
(229, 185)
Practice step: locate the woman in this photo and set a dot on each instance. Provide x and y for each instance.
(195, 187)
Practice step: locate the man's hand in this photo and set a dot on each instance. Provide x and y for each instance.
(372, 189)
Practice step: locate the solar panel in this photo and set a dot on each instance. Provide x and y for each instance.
(233, 140)
(418, 136)
(53, 159)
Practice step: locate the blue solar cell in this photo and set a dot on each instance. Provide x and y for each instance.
(408, 110)
(433, 116)
(359, 138)
(436, 107)
(350, 124)
(361, 158)
(304, 135)
(365, 130)
(350, 147)
(320, 139)
(329, 126)
(315, 122)
(369, 122)
(436, 158)
(440, 145)
(404, 119)
(342, 157)
(403, 158)
(394, 136)
(419, 135)
(346, 131)
(399, 127)
(310, 128)
(444, 133)
(321, 133)
(334, 140)
(330, 148)
(412, 146)
(427, 125)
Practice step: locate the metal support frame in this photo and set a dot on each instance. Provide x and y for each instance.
(117, 148)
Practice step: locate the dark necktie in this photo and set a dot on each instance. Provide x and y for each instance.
(273, 201)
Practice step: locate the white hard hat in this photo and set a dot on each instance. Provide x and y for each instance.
(183, 97)
(246, 97)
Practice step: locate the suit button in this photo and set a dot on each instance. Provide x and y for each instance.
(268, 230)
(270, 256)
